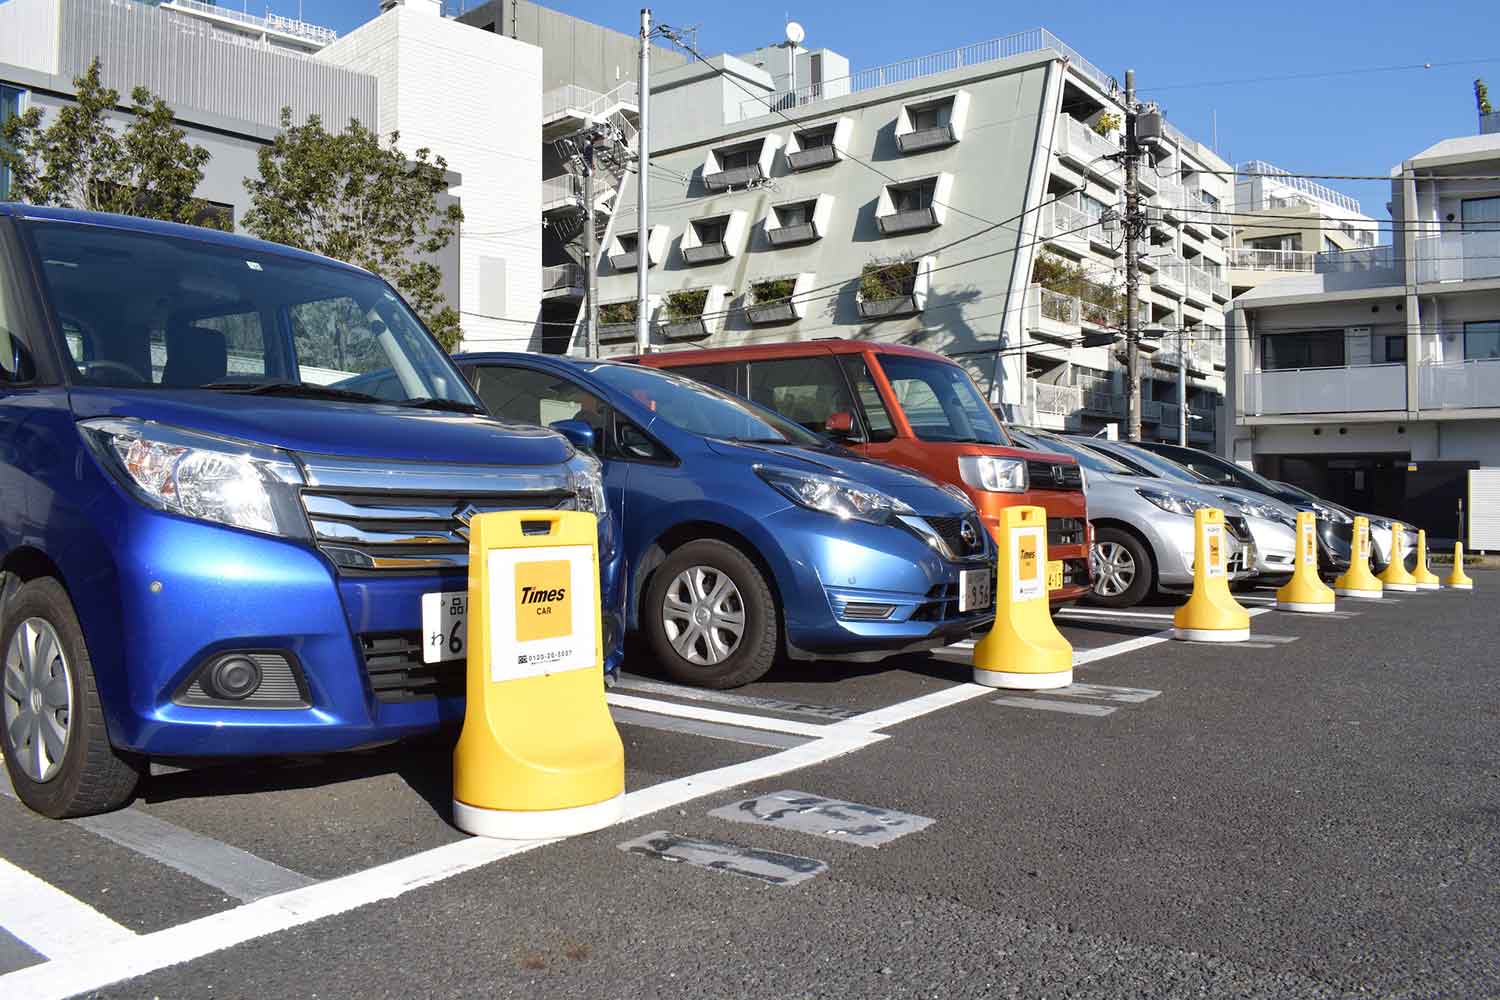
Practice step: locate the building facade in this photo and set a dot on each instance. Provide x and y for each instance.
(1375, 379)
(966, 202)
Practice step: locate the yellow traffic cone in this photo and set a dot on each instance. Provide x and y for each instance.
(1357, 580)
(1425, 578)
(1211, 614)
(539, 755)
(1395, 576)
(1306, 592)
(1024, 649)
(1458, 579)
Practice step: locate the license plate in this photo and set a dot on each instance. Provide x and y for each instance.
(445, 626)
(974, 590)
(1054, 574)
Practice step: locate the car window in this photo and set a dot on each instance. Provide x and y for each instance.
(174, 351)
(531, 396)
(808, 390)
(877, 417)
(16, 364)
(1153, 464)
(722, 375)
(941, 402)
(1087, 457)
(702, 409)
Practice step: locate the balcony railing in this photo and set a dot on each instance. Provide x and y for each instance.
(1459, 384)
(1466, 256)
(910, 221)
(1326, 390)
(1088, 149)
(1293, 261)
(1490, 124)
(585, 102)
(271, 22)
(1062, 221)
(1170, 277)
(1320, 191)
(907, 70)
(1056, 400)
(1379, 263)
(562, 280)
(563, 191)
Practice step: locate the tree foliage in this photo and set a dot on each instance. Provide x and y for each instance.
(347, 196)
(1100, 303)
(888, 279)
(81, 161)
(1482, 98)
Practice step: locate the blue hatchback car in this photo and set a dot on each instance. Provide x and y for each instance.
(745, 535)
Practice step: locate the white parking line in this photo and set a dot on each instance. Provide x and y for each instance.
(715, 715)
(1065, 707)
(51, 922)
(1112, 613)
(709, 730)
(645, 686)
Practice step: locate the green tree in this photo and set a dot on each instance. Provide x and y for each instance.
(81, 161)
(347, 196)
(1482, 98)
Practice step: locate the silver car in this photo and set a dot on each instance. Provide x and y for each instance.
(1272, 523)
(1143, 527)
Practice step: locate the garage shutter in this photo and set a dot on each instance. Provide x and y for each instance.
(1484, 510)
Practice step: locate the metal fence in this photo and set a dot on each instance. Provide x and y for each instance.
(271, 22)
(1250, 259)
(571, 97)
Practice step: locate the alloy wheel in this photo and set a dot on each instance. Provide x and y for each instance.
(703, 615)
(1114, 569)
(38, 700)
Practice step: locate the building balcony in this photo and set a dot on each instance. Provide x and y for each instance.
(811, 159)
(723, 180)
(571, 107)
(926, 138)
(1289, 261)
(1088, 151)
(1371, 267)
(563, 193)
(1052, 315)
(1066, 227)
(901, 305)
(1490, 124)
(1052, 405)
(562, 281)
(1170, 277)
(706, 253)
(787, 236)
(1197, 287)
(1353, 389)
(1459, 384)
(911, 221)
(1455, 257)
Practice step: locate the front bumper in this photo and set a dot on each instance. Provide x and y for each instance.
(1275, 547)
(870, 590)
(1173, 538)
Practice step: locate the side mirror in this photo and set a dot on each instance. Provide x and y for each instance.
(579, 433)
(839, 425)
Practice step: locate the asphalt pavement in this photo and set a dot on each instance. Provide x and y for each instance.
(1315, 813)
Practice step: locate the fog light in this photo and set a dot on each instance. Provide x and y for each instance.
(234, 678)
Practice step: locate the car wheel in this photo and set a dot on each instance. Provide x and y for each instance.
(710, 617)
(1122, 569)
(57, 751)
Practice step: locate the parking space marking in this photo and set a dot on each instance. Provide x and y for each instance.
(771, 867)
(714, 715)
(1112, 613)
(234, 872)
(850, 822)
(51, 922)
(1103, 692)
(710, 730)
(15, 954)
(1066, 707)
(1275, 640)
(630, 683)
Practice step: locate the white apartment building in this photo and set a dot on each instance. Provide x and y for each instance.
(771, 207)
(1282, 222)
(1375, 378)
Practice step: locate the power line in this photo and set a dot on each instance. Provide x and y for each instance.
(1324, 74)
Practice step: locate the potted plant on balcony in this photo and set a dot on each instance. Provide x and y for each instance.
(1106, 123)
(684, 313)
(617, 322)
(771, 301)
(888, 288)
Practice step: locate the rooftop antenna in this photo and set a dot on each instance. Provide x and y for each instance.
(794, 36)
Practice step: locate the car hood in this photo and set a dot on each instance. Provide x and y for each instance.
(328, 427)
(1234, 493)
(920, 493)
(1122, 481)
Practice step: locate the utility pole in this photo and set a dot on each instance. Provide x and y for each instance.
(642, 214)
(1133, 227)
(1182, 410)
(591, 268)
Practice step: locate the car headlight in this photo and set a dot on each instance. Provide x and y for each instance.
(586, 476)
(959, 495)
(1256, 508)
(833, 495)
(1384, 524)
(1176, 503)
(993, 474)
(231, 482)
(1331, 513)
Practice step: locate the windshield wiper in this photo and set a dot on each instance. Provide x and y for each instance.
(304, 389)
(451, 405)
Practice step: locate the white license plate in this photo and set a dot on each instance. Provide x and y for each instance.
(445, 626)
(974, 590)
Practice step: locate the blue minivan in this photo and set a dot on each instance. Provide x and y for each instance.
(744, 534)
(210, 544)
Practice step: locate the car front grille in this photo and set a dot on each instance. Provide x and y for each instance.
(1065, 531)
(1053, 476)
(394, 667)
(382, 517)
(951, 531)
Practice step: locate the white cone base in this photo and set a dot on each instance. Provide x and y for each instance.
(1023, 682)
(1367, 595)
(1429, 586)
(1211, 634)
(1403, 588)
(539, 824)
(1458, 586)
(1305, 609)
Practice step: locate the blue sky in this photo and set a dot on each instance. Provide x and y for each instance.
(1358, 123)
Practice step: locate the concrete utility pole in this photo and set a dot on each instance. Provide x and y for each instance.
(591, 267)
(1133, 226)
(642, 215)
(1182, 409)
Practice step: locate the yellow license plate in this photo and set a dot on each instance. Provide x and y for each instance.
(1054, 574)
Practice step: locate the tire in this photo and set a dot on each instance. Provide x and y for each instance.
(90, 776)
(1124, 551)
(712, 578)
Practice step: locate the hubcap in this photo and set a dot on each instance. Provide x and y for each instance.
(38, 700)
(703, 615)
(1114, 569)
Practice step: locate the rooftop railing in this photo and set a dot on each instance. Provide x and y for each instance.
(1252, 259)
(271, 22)
(1020, 43)
(1303, 184)
(571, 97)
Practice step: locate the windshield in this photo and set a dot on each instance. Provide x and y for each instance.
(1222, 471)
(143, 311)
(941, 402)
(1152, 464)
(703, 409)
(1088, 458)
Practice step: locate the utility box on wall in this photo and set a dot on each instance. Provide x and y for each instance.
(1483, 510)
